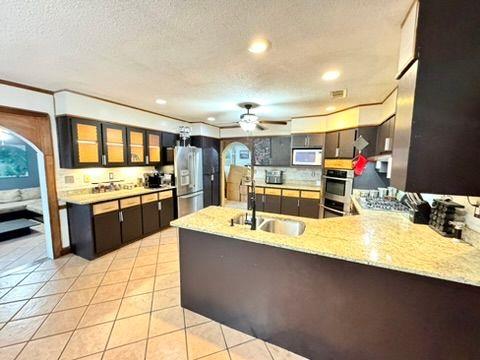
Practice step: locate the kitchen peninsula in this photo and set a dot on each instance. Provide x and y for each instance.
(354, 287)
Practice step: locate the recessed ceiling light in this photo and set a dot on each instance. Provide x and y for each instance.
(210, 118)
(259, 46)
(330, 108)
(331, 75)
(161, 101)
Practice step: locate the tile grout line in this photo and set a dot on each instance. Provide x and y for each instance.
(84, 312)
(105, 349)
(153, 295)
(46, 316)
(225, 341)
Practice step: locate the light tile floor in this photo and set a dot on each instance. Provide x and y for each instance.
(22, 251)
(124, 305)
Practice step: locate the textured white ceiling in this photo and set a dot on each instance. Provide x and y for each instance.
(194, 53)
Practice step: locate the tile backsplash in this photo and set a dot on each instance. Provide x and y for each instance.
(84, 179)
(291, 174)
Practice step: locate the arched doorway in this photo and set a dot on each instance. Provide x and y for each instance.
(34, 128)
(236, 162)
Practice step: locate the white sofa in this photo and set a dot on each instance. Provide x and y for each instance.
(20, 199)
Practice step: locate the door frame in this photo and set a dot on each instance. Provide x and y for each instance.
(35, 128)
(225, 145)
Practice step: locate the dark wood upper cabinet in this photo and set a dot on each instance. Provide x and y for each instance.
(272, 151)
(153, 147)
(79, 141)
(385, 136)
(281, 151)
(435, 149)
(346, 148)
(210, 153)
(308, 141)
(331, 145)
(114, 139)
(136, 141)
(369, 133)
(169, 141)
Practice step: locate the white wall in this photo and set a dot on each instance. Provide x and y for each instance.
(358, 116)
(35, 101)
(67, 102)
(271, 130)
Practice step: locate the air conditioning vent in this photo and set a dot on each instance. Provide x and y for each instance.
(338, 94)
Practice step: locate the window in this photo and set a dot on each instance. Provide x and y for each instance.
(13, 161)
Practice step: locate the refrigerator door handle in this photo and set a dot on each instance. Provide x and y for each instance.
(191, 195)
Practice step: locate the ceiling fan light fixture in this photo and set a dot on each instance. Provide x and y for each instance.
(247, 126)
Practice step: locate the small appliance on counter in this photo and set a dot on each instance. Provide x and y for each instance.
(447, 218)
(274, 177)
(419, 210)
(152, 180)
(167, 179)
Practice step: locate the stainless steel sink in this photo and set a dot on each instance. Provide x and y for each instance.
(241, 219)
(284, 227)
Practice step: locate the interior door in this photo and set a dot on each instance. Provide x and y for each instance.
(87, 140)
(114, 144)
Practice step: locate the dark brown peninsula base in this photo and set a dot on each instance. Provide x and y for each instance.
(324, 308)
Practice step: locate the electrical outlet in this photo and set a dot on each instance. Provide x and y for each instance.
(69, 179)
(476, 212)
(87, 179)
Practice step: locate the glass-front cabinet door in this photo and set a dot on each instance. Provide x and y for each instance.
(87, 150)
(154, 148)
(136, 146)
(114, 145)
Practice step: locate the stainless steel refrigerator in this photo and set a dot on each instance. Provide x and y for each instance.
(189, 179)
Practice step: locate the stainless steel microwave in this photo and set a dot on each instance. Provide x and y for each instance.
(307, 157)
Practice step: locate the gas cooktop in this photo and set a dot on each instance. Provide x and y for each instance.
(382, 204)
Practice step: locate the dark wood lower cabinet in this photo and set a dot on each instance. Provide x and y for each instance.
(131, 224)
(166, 212)
(290, 206)
(150, 218)
(272, 204)
(107, 232)
(309, 208)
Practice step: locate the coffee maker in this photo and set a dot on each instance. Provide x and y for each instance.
(152, 180)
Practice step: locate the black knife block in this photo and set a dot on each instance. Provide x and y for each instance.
(422, 214)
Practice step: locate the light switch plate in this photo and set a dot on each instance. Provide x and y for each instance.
(110, 175)
(69, 179)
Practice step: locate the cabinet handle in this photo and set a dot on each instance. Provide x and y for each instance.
(212, 177)
(298, 202)
(337, 152)
(263, 198)
(147, 159)
(104, 159)
(159, 205)
(387, 144)
(120, 216)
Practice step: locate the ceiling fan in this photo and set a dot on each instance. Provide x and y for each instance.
(249, 121)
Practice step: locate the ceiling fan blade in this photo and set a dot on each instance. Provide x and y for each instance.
(260, 127)
(273, 122)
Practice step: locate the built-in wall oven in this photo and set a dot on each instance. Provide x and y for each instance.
(337, 191)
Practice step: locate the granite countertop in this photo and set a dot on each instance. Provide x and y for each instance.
(84, 199)
(301, 185)
(386, 240)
